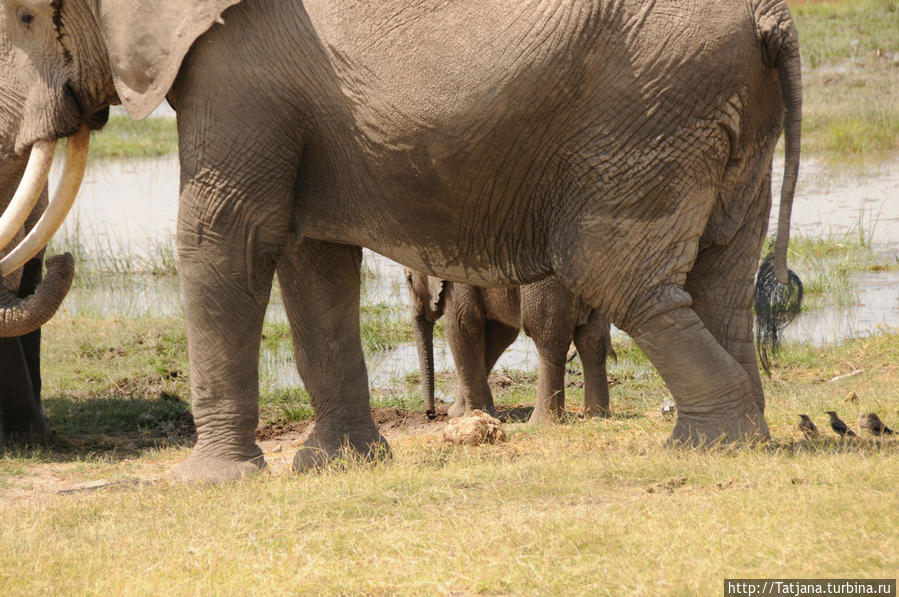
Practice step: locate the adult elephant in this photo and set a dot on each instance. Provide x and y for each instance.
(481, 323)
(21, 414)
(624, 146)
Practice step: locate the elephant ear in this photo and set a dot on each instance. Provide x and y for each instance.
(436, 290)
(147, 41)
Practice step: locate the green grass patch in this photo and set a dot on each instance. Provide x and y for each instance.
(853, 115)
(283, 405)
(98, 258)
(122, 358)
(857, 30)
(385, 326)
(850, 53)
(107, 380)
(125, 138)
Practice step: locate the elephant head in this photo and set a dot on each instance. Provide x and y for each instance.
(426, 301)
(62, 64)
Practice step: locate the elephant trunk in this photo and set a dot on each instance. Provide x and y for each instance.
(19, 316)
(424, 341)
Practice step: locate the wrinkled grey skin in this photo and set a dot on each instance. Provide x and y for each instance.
(625, 147)
(21, 415)
(482, 322)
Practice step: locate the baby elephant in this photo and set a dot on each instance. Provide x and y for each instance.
(482, 322)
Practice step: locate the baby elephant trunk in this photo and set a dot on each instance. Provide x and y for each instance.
(424, 340)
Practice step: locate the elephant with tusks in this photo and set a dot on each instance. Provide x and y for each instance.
(624, 147)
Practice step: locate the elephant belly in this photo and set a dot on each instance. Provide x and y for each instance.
(495, 158)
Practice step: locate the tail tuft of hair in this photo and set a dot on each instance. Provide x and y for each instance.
(776, 305)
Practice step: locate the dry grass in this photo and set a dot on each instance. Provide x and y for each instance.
(596, 507)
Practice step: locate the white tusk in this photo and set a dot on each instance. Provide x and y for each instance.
(61, 202)
(28, 191)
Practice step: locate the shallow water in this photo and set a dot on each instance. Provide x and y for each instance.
(131, 206)
(125, 205)
(830, 202)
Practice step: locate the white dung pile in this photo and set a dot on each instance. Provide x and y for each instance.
(478, 428)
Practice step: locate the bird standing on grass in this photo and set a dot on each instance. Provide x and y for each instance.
(839, 426)
(873, 425)
(807, 427)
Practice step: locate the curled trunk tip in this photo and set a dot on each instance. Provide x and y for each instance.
(20, 316)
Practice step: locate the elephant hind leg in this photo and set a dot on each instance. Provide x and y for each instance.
(497, 338)
(548, 317)
(321, 285)
(714, 394)
(721, 286)
(593, 343)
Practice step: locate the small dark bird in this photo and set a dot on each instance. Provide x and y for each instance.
(839, 426)
(873, 425)
(807, 427)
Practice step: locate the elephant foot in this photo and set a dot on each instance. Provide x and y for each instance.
(541, 416)
(456, 409)
(597, 413)
(740, 424)
(326, 449)
(200, 467)
(548, 410)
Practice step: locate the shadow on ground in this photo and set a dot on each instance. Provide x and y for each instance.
(109, 428)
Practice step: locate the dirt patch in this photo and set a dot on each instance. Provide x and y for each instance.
(393, 423)
(273, 431)
(280, 441)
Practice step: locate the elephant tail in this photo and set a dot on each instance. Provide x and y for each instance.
(780, 50)
(778, 291)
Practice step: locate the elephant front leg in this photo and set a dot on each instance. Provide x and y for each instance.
(21, 416)
(21, 413)
(320, 284)
(714, 395)
(226, 269)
